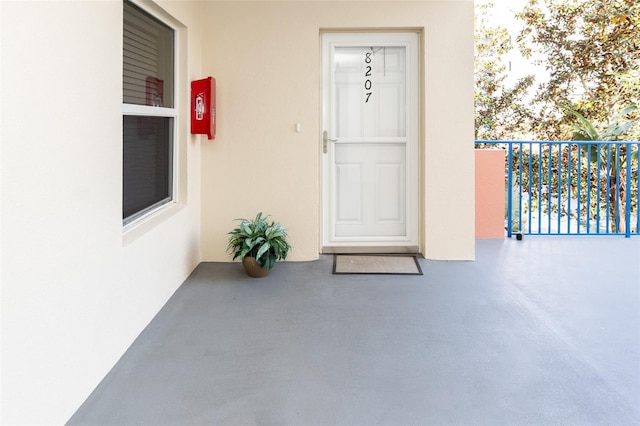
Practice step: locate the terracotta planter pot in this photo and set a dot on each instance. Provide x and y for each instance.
(253, 269)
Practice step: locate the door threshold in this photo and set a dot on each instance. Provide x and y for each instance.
(370, 250)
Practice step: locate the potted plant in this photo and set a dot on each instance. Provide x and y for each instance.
(259, 243)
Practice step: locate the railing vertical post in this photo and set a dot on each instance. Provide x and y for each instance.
(569, 188)
(539, 187)
(599, 190)
(637, 188)
(520, 190)
(616, 194)
(618, 189)
(608, 193)
(549, 186)
(530, 183)
(627, 216)
(588, 188)
(579, 183)
(559, 186)
(509, 189)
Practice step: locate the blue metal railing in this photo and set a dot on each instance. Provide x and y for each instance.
(571, 187)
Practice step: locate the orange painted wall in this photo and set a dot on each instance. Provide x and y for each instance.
(490, 193)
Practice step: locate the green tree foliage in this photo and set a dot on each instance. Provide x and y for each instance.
(500, 111)
(591, 51)
(612, 160)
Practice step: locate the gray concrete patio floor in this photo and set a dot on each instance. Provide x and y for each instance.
(539, 331)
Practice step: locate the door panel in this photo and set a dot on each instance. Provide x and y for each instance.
(370, 184)
(370, 164)
(370, 85)
(349, 196)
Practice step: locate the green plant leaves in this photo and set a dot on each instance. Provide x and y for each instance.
(262, 250)
(586, 131)
(259, 238)
(246, 228)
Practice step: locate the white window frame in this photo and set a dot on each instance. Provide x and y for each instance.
(152, 212)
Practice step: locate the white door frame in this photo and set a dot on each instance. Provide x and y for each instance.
(409, 242)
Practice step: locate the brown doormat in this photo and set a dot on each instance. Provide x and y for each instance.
(376, 264)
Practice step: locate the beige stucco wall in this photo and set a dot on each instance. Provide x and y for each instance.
(266, 59)
(75, 292)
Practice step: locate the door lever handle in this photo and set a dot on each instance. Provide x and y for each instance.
(325, 139)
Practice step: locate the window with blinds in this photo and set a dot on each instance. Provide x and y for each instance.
(147, 59)
(149, 116)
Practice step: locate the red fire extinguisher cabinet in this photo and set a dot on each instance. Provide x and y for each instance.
(203, 107)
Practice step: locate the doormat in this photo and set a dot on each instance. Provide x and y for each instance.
(382, 264)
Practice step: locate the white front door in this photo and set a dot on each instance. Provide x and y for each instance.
(370, 142)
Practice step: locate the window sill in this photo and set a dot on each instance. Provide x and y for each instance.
(142, 226)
